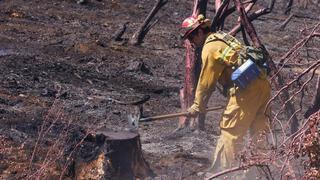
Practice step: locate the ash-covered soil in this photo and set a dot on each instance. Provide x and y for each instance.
(62, 73)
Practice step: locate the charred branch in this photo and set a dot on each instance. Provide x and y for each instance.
(254, 16)
(119, 33)
(290, 112)
(139, 35)
(293, 118)
(228, 12)
(265, 169)
(227, 171)
(288, 7)
(284, 24)
(300, 44)
(288, 106)
(220, 10)
(316, 101)
(200, 7)
(244, 36)
(247, 23)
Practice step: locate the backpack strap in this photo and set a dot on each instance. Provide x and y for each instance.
(230, 41)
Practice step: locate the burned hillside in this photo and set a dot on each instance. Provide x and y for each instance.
(67, 74)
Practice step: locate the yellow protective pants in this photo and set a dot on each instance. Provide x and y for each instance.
(245, 111)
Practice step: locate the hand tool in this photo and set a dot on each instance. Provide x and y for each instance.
(134, 120)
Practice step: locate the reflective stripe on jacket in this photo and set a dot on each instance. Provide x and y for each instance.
(229, 54)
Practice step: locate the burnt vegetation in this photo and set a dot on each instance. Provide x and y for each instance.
(73, 71)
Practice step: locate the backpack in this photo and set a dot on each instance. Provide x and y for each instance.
(246, 68)
(257, 55)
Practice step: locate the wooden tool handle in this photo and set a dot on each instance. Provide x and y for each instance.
(153, 118)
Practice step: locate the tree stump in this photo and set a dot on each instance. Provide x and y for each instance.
(112, 155)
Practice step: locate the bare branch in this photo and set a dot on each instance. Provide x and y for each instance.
(200, 7)
(139, 35)
(118, 34)
(299, 44)
(217, 18)
(247, 24)
(254, 16)
(284, 24)
(227, 171)
(289, 6)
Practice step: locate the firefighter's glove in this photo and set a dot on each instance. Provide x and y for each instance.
(193, 112)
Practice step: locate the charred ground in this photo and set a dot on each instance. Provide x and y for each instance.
(59, 63)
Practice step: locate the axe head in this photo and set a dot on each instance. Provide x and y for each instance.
(134, 120)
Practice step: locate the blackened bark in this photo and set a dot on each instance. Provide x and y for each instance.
(187, 93)
(112, 155)
(316, 101)
(139, 35)
(192, 72)
(288, 7)
(247, 24)
(254, 16)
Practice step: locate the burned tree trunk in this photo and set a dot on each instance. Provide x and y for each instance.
(192, 72)
(112, 155)
(288, 7)
(217, 21)
(248, 27)
(316, 101)
(187, 92)
(200, 7)
(246, 22)
(139, 35)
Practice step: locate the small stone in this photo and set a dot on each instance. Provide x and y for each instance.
(81, 1)
(116, 112)
(136, 66)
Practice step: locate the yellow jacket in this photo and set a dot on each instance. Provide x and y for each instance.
(246, 108)
(214, 69)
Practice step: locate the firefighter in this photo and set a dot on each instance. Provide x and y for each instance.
(245, 110)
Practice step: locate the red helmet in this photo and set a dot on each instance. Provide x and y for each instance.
(191, 23)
